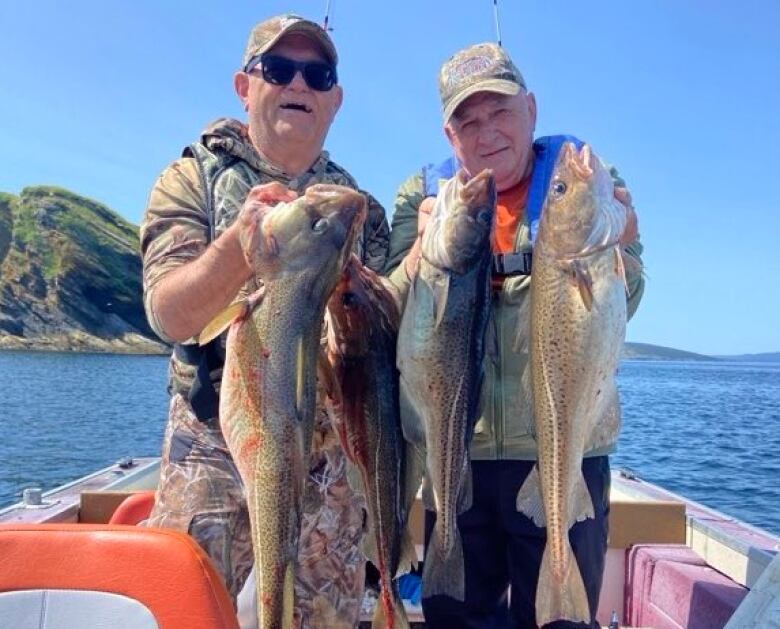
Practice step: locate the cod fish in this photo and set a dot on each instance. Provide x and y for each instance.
(268, 391)
(577, 328)
(441, 345)
(362, 321)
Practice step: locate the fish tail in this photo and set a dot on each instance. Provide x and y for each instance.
(390, 612)
(561, 599)
(288, 604)
(408, 554)
(443, 573)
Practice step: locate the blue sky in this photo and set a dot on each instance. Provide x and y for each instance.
(683, 97)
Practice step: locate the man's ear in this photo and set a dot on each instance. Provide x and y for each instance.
(241, 85)
(531, 100)
(338, 98)
(449, 133)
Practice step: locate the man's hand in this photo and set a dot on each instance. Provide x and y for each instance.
(631, 231)
(257, 203)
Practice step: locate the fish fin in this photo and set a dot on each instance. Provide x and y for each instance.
(620, 268)
(327, 377)
(288, 604)
(369, 545)
(584, 283)
(408, 560)
(466, 495)
(222, 321)
(565, 600)
(354, 476)
(444, 574)
(529, 498)
(414, 469)
(399, 619)
(440, 292)
(582, 503)
(526, 388)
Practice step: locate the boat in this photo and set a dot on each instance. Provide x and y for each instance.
(671, 562)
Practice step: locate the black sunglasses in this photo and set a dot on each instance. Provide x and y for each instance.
(319, 76)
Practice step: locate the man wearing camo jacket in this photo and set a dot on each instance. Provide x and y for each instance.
(194, 267)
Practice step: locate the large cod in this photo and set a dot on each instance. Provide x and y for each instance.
(441, 345)
(577, 329)
(268, 392)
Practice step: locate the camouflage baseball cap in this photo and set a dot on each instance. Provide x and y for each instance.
(479, 68)
(265, 35)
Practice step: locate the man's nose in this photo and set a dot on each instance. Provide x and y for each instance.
(487, 134)
(298, 82)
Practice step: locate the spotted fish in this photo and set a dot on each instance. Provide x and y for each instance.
(267, 396)
(441, 345)
(577, 328)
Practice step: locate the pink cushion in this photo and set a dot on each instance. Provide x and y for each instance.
(691, 596)
(640, 567)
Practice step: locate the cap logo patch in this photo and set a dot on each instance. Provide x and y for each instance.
(468, 68)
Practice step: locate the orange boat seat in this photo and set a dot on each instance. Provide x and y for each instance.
(134, 509)
(84, 576)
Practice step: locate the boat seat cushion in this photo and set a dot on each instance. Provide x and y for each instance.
(68, 609)
(134, 509)
(164, 571)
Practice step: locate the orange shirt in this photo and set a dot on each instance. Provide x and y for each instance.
(509, 212)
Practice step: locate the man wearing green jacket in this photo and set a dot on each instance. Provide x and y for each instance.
(489, 120)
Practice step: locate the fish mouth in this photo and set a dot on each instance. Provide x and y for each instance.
(338, 202)
(479, 191)
(578, 162)
(296, 106)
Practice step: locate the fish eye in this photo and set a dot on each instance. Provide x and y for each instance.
(349, 299)
(484, 217)
(320, 225)
(558, 189)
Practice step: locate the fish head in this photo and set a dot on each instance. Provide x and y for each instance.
(581, 214)
(461, 221)
(348, 315)
(359, 306)
(314, 231)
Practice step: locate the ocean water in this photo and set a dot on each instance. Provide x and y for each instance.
(708, 431)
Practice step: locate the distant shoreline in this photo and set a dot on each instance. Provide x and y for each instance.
(634, 352)
(135, 346)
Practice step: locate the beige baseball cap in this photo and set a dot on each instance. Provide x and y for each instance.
(267, 33)
(478, 68)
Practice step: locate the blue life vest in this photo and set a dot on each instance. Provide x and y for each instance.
(546, 151)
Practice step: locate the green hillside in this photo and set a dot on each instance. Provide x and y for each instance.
(70, 275)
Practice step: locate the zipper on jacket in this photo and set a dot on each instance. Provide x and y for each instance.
(498, 390)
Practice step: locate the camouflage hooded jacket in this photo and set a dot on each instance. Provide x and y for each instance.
(199, 195)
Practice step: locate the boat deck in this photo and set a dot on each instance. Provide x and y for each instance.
(644, 518)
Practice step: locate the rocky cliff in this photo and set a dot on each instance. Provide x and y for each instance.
(70, 276)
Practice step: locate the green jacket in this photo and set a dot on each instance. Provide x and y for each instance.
(505, 429)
